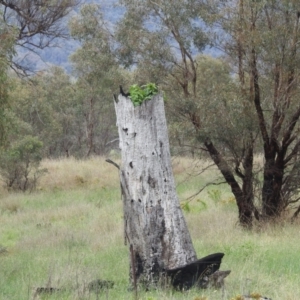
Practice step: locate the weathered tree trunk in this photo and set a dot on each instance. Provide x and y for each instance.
(155, 229)
(243, 196)
(272, 197)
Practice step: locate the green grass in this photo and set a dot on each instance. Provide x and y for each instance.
(70, 232)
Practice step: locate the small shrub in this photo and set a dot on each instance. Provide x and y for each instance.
(19, 164)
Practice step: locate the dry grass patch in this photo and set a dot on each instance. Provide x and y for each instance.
(187, 167)
(70, 173)
(10, 204)
(71, 232)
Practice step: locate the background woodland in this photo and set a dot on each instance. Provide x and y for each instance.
(229, 72)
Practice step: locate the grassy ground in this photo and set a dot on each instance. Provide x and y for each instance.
(69, 233)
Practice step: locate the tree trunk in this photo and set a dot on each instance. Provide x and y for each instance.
(246, 218)
(272, 198)
(244, 198)
(154, 225)
(90, 120)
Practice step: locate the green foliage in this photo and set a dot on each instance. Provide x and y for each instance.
(140, 94)
(19, 164)
(7, 39)
(98, 73)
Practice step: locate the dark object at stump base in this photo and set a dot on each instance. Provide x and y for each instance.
(201, 273)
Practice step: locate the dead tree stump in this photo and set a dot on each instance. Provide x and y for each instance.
(155, 229)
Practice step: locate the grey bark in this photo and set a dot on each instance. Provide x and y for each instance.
(154, 225)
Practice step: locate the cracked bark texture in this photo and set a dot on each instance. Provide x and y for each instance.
(154, 225)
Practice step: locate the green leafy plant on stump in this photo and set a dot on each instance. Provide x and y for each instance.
(140, 94)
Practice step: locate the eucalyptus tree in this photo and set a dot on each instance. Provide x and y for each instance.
(7, 36)
(30, 25)
(262, 42)
(53, 112)
(97, 76)
(164, 36)
(37, 24)
(45, 107)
